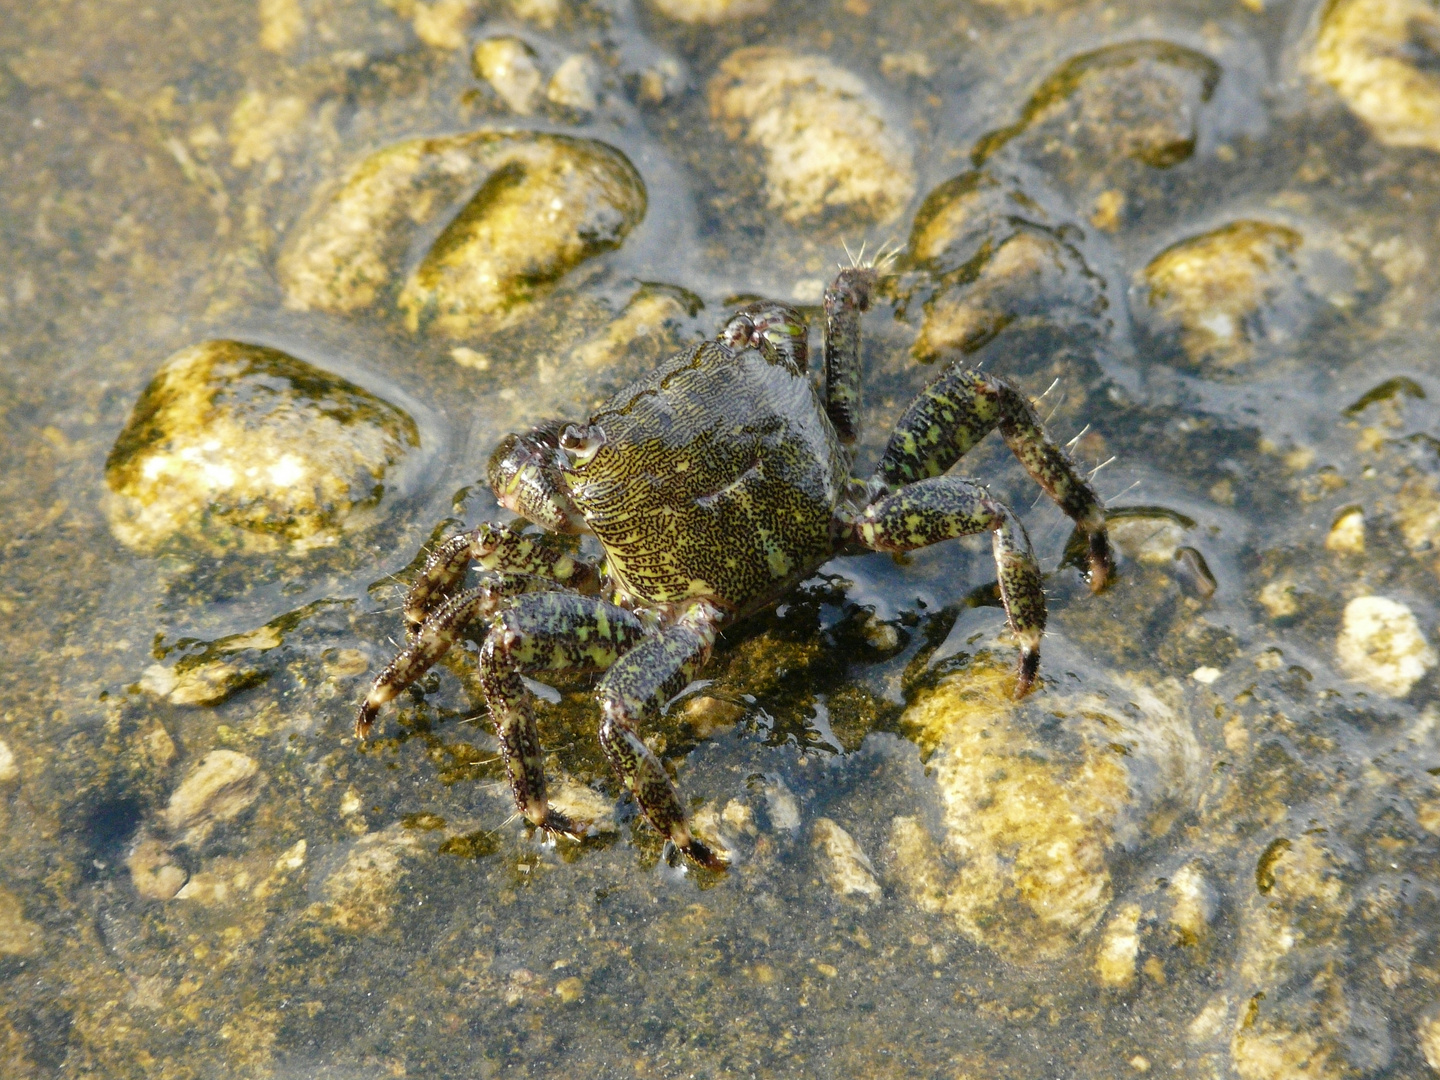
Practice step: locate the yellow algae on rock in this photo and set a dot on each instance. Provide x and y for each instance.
(828, 148)
(361, 894)
(710, 12)
(536, 206)
(1036, 796)
(1218, 291)
(1368, 51)
(1382, 646)
(242, 446)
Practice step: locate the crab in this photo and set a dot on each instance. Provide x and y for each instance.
(713, 485)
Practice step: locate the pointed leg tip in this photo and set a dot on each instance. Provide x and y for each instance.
(558, 824)
(365, 721)
(1027, 673)
(1102, 563)
(703, 855)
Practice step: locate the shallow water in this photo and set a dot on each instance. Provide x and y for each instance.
(1209, 842)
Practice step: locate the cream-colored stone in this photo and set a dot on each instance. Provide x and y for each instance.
(9, 770)
(1219, 290)
(361, 894)
(512, 70)
(18, 935)
(154, 871)
(261, 126)
(1119, 947)
(1149, 537)
(1030, 821)
(204, 684)
(1193, 904)
(206, 889)
(282, 22)
(1382, 646)
(710, 12)
(543, 13)
(441, 24)
(591, 811)
(575, 84)
(1347, 534)
(1427, 1034)
(828, 147)
(1365, 50)
(781, 806)
(242, 446)
(539, 205)
(848, 869)
(218, 789)
(1278, 598)
(915, 863)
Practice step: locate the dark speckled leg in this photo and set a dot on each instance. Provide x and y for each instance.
(938, 509)
(633, 691)
(501, 550)
(847, 297)
(556, 633)
(434, 637)
(959, 409)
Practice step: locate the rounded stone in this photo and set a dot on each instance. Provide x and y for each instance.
(1373, 52)
(829, 149)
(239, 446)
(1139, 100)
(848, 869)
(989, 260)
(1382, 646)
(153, 870)
(1037, 798)
(1233, 294)
(218, 789)
(575, 84)
(523, 208)
(18, 935)
(710, 12)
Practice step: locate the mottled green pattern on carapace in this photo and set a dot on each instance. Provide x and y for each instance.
(714, 484)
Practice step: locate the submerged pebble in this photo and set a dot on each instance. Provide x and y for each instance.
(1379, 55)
(829, 149)
(9, 771)
(361, 894)
(1382, 646)
(238, 446)
(218, 789)
(1035, 810)
(535, 207)
(18, 935)
(1138, 101)
(154, 871)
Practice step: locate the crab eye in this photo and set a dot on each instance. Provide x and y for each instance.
(582, 443)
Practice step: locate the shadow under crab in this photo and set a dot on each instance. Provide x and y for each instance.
(714, 485)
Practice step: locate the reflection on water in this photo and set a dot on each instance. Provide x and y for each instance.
(1197, 234)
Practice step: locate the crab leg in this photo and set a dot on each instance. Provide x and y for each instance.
(945, 507)
(555, 633)
(846, 298)
(959, 409)
(435, 636)
(501, 550)
(633, 691)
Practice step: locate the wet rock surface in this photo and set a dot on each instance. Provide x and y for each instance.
(1196, 236)
(242, 446)
(535, 207)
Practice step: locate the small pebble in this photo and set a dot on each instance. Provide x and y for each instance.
(18, 935)
(1347, 535)
(510, 67)
(9, 770)
(1427, 1034)
(1119, 947)
(153, 870)
(569, 989)
(575, 84)
(710, 11)
(782, 807)
(1382, 646)
(848, 869)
